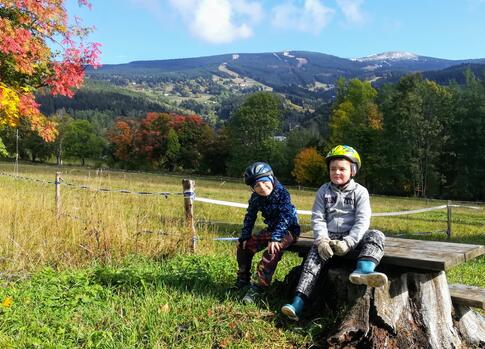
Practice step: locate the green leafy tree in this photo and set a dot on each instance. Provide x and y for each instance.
(255, 122)
(62, 120)
(215, 152)
(357, 121)
(415, 114)
(37, 147)
(3, 150)
(283, 152)
(173, 148)
(467, 170)
(29, 144)
(192, 133)
(278, 158)
(80, 141)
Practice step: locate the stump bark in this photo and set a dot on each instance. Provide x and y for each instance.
(413, 310)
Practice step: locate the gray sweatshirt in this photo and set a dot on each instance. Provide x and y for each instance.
(341, 210)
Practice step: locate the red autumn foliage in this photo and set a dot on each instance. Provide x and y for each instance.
(34, 34)
(146, 140)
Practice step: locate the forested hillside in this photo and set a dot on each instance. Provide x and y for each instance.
(419, 135)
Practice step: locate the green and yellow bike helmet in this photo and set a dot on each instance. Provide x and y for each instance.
(345, 152)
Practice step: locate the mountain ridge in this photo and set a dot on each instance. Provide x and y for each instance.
(387, 55)
(301, 74)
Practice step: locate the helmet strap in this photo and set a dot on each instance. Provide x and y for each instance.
(353, 170)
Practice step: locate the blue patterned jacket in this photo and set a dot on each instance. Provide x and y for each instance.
(278, 213)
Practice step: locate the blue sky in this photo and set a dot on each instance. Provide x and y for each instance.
(132, 30)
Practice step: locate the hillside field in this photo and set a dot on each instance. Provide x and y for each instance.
(115, 269)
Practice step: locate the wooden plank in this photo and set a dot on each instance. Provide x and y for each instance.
(468, 295)
(429, 260)
(427, 245)
(420, 254)
(475, 252)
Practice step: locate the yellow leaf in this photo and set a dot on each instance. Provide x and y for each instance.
(7, 302)
(164, 308)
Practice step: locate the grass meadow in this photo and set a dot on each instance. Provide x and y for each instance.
(115, 269)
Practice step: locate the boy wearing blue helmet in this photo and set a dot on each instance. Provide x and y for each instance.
(273, 201)
(340, 223)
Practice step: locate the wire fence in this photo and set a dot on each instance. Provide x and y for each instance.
(61, 181)
(188, 193)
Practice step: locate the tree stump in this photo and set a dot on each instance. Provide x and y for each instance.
(413, 310)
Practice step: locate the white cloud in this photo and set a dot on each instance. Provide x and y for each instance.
(312, 17)
(351, 10)
(253, 10)
(219, 21)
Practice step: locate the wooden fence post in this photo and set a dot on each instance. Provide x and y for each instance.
(189, 190)
(448, 207)
(58, 194)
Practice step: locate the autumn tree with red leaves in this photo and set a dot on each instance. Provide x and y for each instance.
(160, 140)
(38, 48)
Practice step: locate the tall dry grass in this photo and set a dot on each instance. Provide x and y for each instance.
(107, 226)
(93, 225)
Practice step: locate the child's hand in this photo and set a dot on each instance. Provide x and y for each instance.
(274, 247)
(340, 247)
(324, 249)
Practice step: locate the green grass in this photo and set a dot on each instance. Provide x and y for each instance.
(114, 272)
(141, 303)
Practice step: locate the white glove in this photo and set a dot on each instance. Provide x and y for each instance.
(340, 247)
(324, 249)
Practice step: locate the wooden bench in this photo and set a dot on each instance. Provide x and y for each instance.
(426, 256)
(471, 296)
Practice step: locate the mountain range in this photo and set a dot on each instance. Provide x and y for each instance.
(289, 68)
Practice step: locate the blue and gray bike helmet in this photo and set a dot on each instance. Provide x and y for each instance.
(255, 171)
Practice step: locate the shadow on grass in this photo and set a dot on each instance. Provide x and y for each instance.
(205, 277)
(195, 274)
(199, 275)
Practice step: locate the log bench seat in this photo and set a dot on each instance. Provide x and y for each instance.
(426, 256)
(471, 296)
(416, 309)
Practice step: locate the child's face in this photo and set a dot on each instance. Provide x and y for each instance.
(263, 188)
(340, 171)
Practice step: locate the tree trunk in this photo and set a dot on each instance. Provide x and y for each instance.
(413, 310)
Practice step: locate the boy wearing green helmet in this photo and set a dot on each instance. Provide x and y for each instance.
(340, 222)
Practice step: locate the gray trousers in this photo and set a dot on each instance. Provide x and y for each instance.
(371, 247)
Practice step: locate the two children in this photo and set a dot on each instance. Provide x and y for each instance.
(273, 201)
(340, 222)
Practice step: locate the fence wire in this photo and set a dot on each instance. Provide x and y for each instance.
(165, 194)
